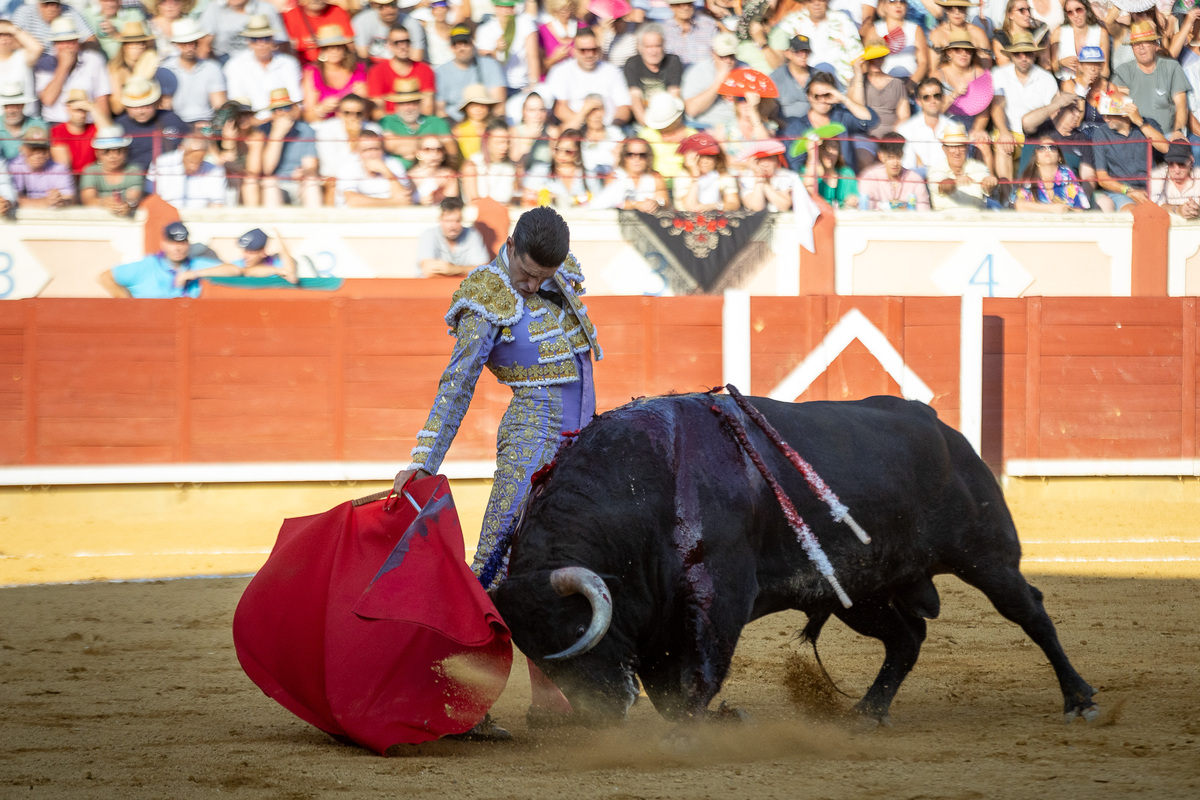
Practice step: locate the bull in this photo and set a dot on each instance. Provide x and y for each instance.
(655, 540)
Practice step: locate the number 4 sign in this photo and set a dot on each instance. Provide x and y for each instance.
(982, 268)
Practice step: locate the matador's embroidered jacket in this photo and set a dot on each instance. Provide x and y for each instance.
(539, 350)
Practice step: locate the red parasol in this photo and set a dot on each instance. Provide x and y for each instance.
(368, 623)
(702, 143)
(744, 80)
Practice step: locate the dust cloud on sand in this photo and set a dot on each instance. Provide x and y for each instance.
(134, 691)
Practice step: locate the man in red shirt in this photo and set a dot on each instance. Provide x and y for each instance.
(383, 74)
(303, 20)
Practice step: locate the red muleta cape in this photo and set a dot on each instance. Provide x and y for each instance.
(368, 623)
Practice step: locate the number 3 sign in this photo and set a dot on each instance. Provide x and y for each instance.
(21, 275)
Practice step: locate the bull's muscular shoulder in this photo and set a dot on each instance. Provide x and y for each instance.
(487, 292)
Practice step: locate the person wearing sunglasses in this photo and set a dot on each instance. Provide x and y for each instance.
(1048, 186)
(635, 184)
(827, 104)
(374, 27)
(1020, 22)
(924, 131)
(337, 137)
(959, 181)
(565, 183)
(586, 82)
(956, 26)
(403, 64)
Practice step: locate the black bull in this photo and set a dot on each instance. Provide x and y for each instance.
(667, 516)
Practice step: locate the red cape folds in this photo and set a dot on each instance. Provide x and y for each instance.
(369, 624)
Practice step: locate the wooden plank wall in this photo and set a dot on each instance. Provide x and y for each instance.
(125, 381)
(1095, 378)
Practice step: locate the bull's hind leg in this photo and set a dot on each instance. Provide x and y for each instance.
(902, 635)
(1020, 602)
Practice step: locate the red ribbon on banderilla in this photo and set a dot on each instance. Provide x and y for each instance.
(804, 534)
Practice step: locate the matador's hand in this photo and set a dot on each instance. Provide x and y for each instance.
(406, 475)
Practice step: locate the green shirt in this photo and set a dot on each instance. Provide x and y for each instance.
(846, 187)
(426, 126)
(10, 145)
(93, 178)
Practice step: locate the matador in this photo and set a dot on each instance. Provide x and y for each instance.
(521, 316)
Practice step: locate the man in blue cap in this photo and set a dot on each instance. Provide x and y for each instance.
(171, 272)
(255, 263)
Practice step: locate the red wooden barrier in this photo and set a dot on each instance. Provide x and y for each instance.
(338, 378)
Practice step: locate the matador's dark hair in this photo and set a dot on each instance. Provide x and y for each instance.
(542, 235)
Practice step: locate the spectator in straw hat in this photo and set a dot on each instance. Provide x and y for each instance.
(958, 181)
(337, 73)
(73, 68)
(71, 141)
(164, 14)
(200, 84)
(1155, 84)
(154, 130)
(306, 18)
(403, 128)
(664, 131)
(112, 182)
(260, 69)
(401, 65)
(1020, 86)
(15, 100)
(466, 68)
(36, 17)
(477, 107)
(137, 54)
(289, 158)
(226, 19)
(40, 181)
(106, 18)
(185, 179)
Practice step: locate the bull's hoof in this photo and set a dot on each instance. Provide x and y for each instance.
(1089, 714)
(871, 716)
(728, 713)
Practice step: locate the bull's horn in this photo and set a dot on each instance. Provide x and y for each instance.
(580, 580)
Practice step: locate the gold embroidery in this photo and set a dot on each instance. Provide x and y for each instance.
(486, 293)
(556, 372)
(553, 349)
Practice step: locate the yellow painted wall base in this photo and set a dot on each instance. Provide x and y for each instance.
(1114, 526)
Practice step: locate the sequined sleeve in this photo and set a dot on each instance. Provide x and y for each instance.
(476, 337)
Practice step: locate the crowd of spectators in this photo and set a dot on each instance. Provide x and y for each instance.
(1052, 106)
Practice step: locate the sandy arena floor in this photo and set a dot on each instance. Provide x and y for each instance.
(132, 690)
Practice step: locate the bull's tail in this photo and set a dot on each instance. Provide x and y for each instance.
(810, 634)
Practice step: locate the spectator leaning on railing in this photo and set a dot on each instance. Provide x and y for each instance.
(171, 272)
(40, 181)
(450, 248)
(1175, 185)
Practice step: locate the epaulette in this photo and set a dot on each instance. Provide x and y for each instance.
(487, 292)
(572, 271)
